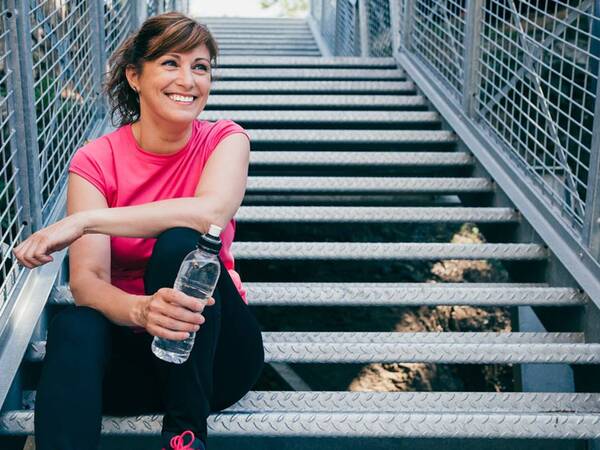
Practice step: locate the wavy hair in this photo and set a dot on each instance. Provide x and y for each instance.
(158, 35)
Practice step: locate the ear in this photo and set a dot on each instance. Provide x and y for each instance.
(132, 77)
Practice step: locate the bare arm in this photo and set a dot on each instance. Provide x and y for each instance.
(217, 198)
(89, 257)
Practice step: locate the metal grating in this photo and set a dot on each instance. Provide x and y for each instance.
(437, 36)
(347, 37)
(328, 25)
(117, 23)
(379, 28)
(11, 228)
(538, 76)
(63, 66)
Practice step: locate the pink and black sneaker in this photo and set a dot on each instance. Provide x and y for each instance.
(176, 442)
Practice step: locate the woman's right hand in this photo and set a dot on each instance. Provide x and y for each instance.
(171, 314)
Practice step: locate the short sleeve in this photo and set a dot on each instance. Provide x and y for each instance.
(88, 165)
(219, 131)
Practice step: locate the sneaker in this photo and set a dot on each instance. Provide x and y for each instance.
(176, 442)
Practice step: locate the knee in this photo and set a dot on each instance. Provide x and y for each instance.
(78, 327)
(175, 243)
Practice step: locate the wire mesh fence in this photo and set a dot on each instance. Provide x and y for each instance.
(11, 208)
(379, 28)
(117, 23)
(537, 93)
(534, 78)
(438, 37)
(64, 63)
(347, 36)
(339, 22)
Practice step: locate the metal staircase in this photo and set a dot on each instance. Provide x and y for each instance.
(349, 141)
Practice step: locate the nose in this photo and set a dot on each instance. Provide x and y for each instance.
(186, 78)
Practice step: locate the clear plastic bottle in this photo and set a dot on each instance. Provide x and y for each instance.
(197, 277)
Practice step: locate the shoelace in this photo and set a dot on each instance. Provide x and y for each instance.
(176, 442)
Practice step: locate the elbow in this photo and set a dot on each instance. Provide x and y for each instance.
(212, 212)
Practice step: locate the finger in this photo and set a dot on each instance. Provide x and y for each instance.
(183, 314)
(210, 302)
(173, 324)
(167, 334)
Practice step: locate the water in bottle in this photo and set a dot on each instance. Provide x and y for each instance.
(197, 277)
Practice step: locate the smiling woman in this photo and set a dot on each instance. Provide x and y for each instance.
(138, 200)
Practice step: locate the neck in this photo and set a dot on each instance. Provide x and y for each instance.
(157, 138)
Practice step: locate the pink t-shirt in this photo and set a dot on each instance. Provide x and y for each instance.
(128, 175)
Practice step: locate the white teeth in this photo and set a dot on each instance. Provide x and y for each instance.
(181, 98)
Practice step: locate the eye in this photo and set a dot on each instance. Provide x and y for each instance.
(201, 67)
(168, 61)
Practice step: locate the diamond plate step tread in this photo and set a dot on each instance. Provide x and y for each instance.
(411, 402)
(268, 46)
(252, 53)
(349, 185)
(353, 136)
(341, 158)
(385, 251)
(340, 116)
(392, 294)
(287, 62)
(355, 424)
(319, 101)
(372, 87)
(355, 348)
(310, 74)
(374, 214)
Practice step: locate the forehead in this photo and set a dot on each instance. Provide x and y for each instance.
(200, 51)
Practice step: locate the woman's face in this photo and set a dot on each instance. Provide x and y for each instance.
(175, 86)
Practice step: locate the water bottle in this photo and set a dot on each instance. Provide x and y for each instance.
(197, 277)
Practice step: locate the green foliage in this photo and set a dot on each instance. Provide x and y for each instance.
(287, 7)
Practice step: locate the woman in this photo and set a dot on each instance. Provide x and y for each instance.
(138, 200)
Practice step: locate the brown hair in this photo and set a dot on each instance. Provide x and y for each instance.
(158, 35)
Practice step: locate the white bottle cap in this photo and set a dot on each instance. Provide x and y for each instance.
(214, 230)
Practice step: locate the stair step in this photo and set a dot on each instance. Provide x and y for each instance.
(338, 62)
(361, 421)
(362, 159)
(308, 74)
(252, 53)
(367, 214)
(311, 102)
(251, 40)
(355, 137)
(312, 47)
(353, 185)
(444, 347)
(379, 414)
(343, 118)
(385, 251)
(316, 86)
(393, 294)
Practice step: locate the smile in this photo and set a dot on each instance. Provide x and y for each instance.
(182, 99)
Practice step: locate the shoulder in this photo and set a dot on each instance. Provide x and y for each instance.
(220, 128)
(102, 146)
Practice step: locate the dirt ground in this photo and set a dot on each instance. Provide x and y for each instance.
(399, 376)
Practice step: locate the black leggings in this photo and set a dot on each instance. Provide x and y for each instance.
(95, 367)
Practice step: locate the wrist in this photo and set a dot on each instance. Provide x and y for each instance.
(84, 219)
(137, 313)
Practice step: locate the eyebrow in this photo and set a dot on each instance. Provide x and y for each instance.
(197, 59)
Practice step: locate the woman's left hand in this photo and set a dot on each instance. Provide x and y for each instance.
(36, 249)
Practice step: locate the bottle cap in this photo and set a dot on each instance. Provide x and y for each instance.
(214, 230)
(211, 242)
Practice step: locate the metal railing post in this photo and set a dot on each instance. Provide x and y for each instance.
(472, 45)
(395, 25)
(591, 228)
(363, 26)
(98, 42)
(407, 23)
(17, 121)
(29, 135)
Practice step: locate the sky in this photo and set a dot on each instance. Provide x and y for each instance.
(243, 8)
